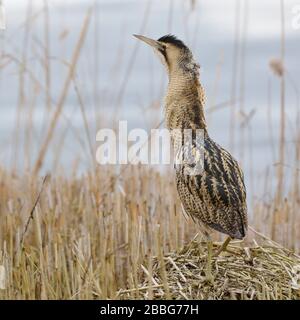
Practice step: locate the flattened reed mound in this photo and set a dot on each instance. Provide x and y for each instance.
(258, 272)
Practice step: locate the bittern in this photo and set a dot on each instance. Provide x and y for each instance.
(215, 197)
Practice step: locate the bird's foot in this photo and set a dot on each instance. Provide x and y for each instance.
(223, 247)
(208, 270)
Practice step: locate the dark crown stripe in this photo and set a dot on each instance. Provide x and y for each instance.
(169, 38)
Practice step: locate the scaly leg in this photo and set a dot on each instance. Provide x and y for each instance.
(223, 246)
(208, 271)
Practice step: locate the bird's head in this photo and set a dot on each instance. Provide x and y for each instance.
(173, 53)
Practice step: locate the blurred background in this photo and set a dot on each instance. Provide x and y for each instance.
(240, 46)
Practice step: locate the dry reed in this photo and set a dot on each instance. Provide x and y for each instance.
(87, 240)
(260, 272)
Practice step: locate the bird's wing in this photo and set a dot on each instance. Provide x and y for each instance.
(217, 196)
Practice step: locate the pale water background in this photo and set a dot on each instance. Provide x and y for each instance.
(117, 82)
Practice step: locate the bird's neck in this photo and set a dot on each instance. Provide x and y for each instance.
(184, 102)
(181, 83)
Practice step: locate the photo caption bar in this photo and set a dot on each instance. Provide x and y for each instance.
(150, 309)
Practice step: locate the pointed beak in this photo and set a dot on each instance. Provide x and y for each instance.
(153, 43)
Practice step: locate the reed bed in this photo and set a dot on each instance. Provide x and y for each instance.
(66, 238)
(90, 237)
(260, 272)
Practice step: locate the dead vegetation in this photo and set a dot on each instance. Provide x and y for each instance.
(106, 236)
(259, 272)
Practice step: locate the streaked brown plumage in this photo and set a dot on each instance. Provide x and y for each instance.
(216, 197)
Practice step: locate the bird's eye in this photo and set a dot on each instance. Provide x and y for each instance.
(162, 50)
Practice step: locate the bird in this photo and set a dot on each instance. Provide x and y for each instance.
(213, 195)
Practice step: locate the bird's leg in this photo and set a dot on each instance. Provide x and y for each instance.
(208, 271)
(223, 246)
